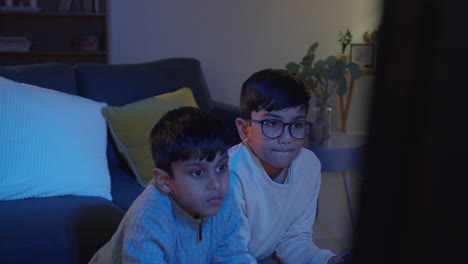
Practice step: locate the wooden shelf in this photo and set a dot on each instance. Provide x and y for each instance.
(55, 36)
(53, 15)
(367, 71)
(52, 53)
(8, 58)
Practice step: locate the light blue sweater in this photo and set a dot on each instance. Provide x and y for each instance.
(156, 230)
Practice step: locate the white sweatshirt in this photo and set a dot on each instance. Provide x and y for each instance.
(279, 217)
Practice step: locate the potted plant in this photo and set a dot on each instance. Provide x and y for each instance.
(325, 77)
(345, 40)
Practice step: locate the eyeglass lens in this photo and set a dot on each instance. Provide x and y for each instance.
(275, 128)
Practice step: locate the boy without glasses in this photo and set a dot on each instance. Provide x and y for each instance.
(187, 213)
(279, 179)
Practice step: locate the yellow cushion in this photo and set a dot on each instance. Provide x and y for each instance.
(131, 124)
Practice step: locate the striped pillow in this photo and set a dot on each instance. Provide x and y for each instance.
(51, 144)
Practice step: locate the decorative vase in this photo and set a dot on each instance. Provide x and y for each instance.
(321, 123)
(344, 57)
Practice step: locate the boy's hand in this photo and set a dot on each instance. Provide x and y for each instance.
(344, 257)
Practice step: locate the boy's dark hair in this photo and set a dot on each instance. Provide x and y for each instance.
(273, 89)
(187, 133)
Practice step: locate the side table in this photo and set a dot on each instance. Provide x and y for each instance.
(342, 152)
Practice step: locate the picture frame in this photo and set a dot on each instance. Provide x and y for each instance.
(363, 54)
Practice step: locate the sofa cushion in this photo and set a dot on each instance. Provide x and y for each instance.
(228, 113)
(124, 188)
(131, 124)
(62, 229)
(51, 144)
(121, 84)
(55, 76)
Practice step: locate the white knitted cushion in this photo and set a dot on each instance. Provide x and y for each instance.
(51, 144)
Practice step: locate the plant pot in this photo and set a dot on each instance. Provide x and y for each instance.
(344, 57)
(321, 124)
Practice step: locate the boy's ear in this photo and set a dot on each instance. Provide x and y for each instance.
(162, 180)
(243, 129)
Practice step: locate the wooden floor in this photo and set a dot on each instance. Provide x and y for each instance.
(332, 229)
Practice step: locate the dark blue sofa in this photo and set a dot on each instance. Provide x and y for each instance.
(70, 229)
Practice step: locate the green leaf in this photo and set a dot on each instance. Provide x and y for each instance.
(352, 65)
(303, 75)
(354, 70)
(323, 68)
(306, 72)
(336, 73)
(293, 67)
(319, 74)
(313, 47)
(319, 63)
(340, 63)
(312, 84)
(342, 87)
(320, 81)
(312, 57)
(339, 69)
(331, 60)
(307, 60)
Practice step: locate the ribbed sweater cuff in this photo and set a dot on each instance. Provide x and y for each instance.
(322, 257)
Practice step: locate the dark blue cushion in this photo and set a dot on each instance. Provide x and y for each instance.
(66, 229)
(124, 189)
(120, 84)
(228, 113)
(56, 76)
(114, 159)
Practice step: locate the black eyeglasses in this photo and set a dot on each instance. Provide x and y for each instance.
(274, 128)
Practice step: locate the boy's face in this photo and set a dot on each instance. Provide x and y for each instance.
(274, 154)
(199, 186)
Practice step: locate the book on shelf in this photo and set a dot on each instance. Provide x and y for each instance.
(64, 5)
(20, 9)
(97, 6)
(86, 6)
(14, 43)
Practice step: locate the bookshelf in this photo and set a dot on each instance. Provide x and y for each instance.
(71, 36)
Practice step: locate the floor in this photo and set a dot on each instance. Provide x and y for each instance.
(332, 229)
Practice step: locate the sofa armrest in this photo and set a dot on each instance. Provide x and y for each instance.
(228, 113)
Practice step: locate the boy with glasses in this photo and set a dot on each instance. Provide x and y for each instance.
(279, 179)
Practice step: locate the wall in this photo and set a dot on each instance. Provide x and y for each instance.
(233, 39)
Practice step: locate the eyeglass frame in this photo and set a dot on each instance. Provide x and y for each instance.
(261, 122)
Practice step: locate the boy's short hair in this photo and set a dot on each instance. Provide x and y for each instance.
(273, 89)
(187, 133)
